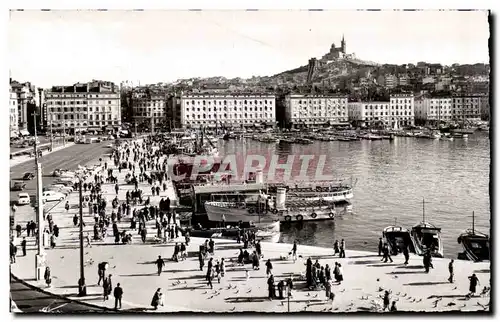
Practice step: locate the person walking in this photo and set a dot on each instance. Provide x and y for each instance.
(406, 254)
(380, 246)
(23, 246)
(47, 277)
(342, 249)
(75, 220)
(201, 260)
(386, 300)
(393, 307)
(118, 293)
(269, 267)
(387, 255)
(450, 270)
(336, 249)
(105, 288)
(160, 263)
(66, 206)
(473, 283)
(155, 302)
(294, 251)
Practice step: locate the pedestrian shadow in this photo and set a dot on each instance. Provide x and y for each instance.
(425, 283)
(138, 275)
(191, 277)
(482, 271)
(186, 288)
(411, 266)
(434, 296)
(406, 272)
(363, 262)
(229, 247)
(383, 265)
(181, 270)
(363, 256)
(247, 299)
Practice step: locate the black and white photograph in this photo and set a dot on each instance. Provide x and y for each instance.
(250, 161)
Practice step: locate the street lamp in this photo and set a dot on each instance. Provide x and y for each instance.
(82, 288)
(40, 257)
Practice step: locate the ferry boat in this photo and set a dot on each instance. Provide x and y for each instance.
(426, 236)
(263, 208)
(396, 238)
(316, 191)
(476, 245)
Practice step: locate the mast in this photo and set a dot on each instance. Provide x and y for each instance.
(473, 222)
(423, 209)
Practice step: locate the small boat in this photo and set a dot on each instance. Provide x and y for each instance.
(287, 140)
(303, 141)
(397, 238)
(469, 130)
(476, 245)
(426, 236)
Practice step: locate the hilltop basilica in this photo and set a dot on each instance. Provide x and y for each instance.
(336, 52)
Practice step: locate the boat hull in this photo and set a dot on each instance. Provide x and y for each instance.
(418, 236)
(396, 238)
(215, 211)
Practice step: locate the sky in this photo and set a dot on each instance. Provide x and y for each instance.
(64, 47)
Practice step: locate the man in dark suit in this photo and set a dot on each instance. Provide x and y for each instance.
(118, 293)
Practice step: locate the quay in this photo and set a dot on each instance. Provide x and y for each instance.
(366, 277)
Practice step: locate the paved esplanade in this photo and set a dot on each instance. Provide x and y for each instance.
(185, 289)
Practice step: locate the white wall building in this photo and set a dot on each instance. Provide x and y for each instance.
(303, 110)
(232, 110)
(13, 111)
(370, 113)
(81, 107)
(433, 109)
(402, 109)
(399, 111)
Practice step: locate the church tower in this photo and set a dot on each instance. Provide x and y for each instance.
(342, 45)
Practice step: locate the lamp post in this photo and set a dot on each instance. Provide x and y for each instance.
(82, 288)
(40, 257)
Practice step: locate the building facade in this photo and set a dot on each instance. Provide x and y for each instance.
(399, 111)
(402, 110)
(13, 111)
(310, 110)
(467, 106)
(26, 103)
(433, 109)
(93, 106)
(369, 113)
(231, 110)
(149, 108)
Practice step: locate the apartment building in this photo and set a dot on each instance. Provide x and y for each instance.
(370, 113)
(13, 111)
(433, 109)
(83, 107)
(402, 110)
(149, 107)
(310, 110)
(467, 106)
(399, 111)
(227, 110)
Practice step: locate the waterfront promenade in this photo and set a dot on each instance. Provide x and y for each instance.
(185, 289)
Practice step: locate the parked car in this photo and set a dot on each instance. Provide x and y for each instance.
(18, 186)
(50, 195)
(28, 176)
(23, 199)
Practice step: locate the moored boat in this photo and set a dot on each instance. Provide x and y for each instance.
(476, 245)
(426, 237)
(265, 210)
(397, 238)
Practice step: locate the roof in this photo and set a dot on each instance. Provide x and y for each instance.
(228, 188)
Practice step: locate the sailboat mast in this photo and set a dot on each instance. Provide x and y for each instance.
(423, 209)
(473, 223)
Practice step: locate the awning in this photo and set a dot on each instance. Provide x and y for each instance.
(24, 132)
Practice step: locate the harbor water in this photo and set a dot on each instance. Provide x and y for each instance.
(391, 178)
